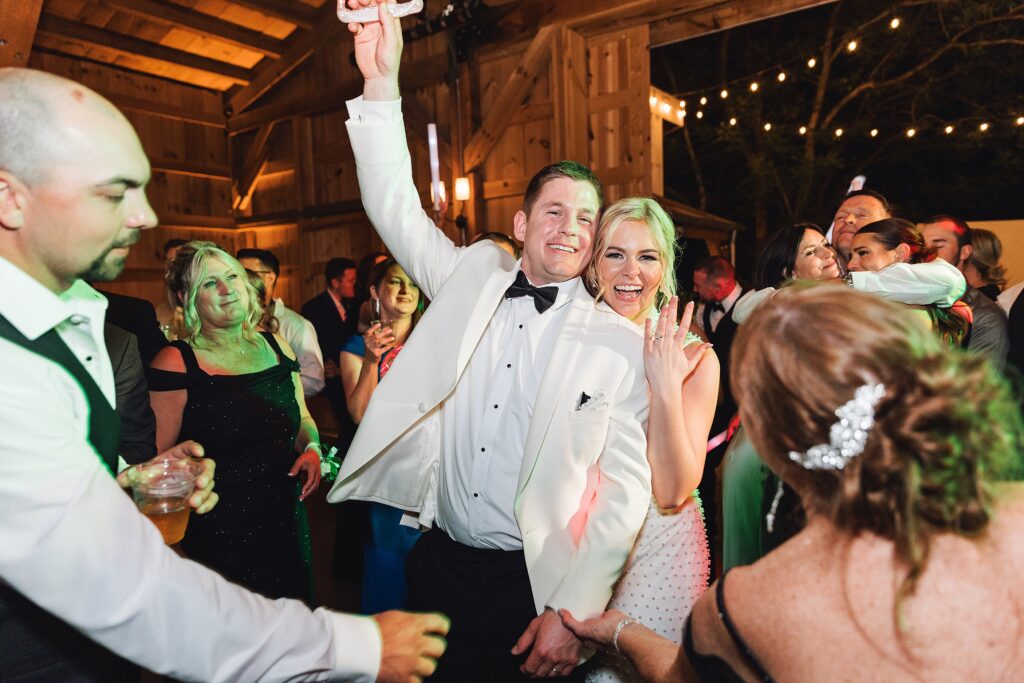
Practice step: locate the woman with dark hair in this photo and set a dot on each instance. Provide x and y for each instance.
(396, 306)
(236, 390)
(901, 450)
(798, 252)
(364, 272)
(885, 243)
(983, 269)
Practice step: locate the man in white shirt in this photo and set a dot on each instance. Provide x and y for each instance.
(79, 566)
(296, 330)
(513, 415)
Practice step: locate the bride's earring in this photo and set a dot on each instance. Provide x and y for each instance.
(376, 309)
(769, 519)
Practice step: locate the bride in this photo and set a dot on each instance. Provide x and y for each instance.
(633, 272)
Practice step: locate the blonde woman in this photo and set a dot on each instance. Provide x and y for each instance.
(633, 272)
(237, 391)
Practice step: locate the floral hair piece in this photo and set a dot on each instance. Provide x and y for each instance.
(848, 435)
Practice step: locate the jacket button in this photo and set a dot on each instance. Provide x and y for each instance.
(422, 407)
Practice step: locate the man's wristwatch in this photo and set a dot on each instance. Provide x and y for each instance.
(848, 279)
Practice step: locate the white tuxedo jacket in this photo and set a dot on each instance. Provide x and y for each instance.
(584, 484)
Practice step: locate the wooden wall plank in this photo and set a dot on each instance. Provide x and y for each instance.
(18, 30)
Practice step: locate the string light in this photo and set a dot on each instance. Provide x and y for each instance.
(803, 130)
(732, 121)
(754, 86)
(812, 62)
(874, 132)
(724, 94)
(1020, 120)
(983, 127)
(703, 101)
(852, 45)
(781, 77)
(895, 23)
(767, 127)
(949, 130)
(911, 132)
(682, 103)
(700, 114)
(653, 101)
(666, 108)
(681, 114)
(839, 132)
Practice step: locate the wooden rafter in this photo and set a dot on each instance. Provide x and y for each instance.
(512, 98)
(176, 167)
(293, 11)
(722, 16)
(17, 31)
(84, 33)
(255, 162)
(167, 111)
(327, 29)
(175, 15)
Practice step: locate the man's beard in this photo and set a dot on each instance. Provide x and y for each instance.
(102, 270)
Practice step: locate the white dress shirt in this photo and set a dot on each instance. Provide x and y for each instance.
(485, 421)
(74, 543)
(716, 315)
(301, 336)
(918, 284)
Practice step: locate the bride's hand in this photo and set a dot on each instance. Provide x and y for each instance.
(597, 632)
(668, 360)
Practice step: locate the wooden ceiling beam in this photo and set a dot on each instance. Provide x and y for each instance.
(171, 14)
(252, 168)
(167, 111)
(327, 29)
(18, 30)
(292, 11)
(513, 97)
(722, 16)
(60, 27)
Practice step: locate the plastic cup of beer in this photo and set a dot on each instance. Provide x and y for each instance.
(161, 490)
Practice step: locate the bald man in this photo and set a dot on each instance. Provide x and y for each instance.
(82, 573)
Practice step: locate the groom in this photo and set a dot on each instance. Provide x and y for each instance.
(511, 420)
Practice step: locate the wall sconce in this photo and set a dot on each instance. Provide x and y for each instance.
(462, 191)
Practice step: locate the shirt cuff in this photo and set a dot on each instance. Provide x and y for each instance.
(363, 112)
(864, 280)
(357, 647)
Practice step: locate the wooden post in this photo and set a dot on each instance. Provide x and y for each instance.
(570, 83)
(18, 30)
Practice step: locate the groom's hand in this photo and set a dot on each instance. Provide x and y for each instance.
(556, 651)
(378, 52)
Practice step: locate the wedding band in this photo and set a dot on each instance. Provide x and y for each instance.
(554, 671)
(658, 337)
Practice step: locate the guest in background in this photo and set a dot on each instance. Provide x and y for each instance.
(237, 391)
(138, 317)
(910, 518)
(859, 208)
(334, 318)
(138, 425)
(297, 331)
(397, 305)
(983, 269)
(714, 282)
(267, 321)
(953, 241)
(361, 303)
(502, 240)
(169, 315)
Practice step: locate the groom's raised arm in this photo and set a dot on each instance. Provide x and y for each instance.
(377, 132)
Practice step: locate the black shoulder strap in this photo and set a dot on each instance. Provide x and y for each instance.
(104, 422)
(734, 633)
(188, 356)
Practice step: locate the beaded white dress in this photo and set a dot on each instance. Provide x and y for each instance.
(665, 575)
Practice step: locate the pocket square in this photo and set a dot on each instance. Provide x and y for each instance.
(591, 403)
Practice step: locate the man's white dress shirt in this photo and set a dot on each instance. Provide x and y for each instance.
(717, 315)
(74, 543)
(485, 422)
(301, 336)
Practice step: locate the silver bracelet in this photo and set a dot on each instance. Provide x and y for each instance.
(315, 447)
(618, 630)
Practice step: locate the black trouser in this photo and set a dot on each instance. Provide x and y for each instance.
(487, 596)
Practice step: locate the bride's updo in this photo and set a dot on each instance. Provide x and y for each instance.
(946, 428)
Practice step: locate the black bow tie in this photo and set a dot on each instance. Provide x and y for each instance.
(717, 306)
(543, 297)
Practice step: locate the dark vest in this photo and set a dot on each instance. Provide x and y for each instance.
(35, 645)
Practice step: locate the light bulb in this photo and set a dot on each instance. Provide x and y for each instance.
(666, 107)
(1020, 120)
(781, 76)
(732, 121)
(839, 132)
(700, 114)
(983, 127)
(754, 86)
(874, 132)
(653, 100)
(812, 62)
(767, 127)
(852, 45)
(703, 101)
(682, 103)
(911, 132)
(895, 23)
(803, 130)
(724, 94)
(949, 129)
